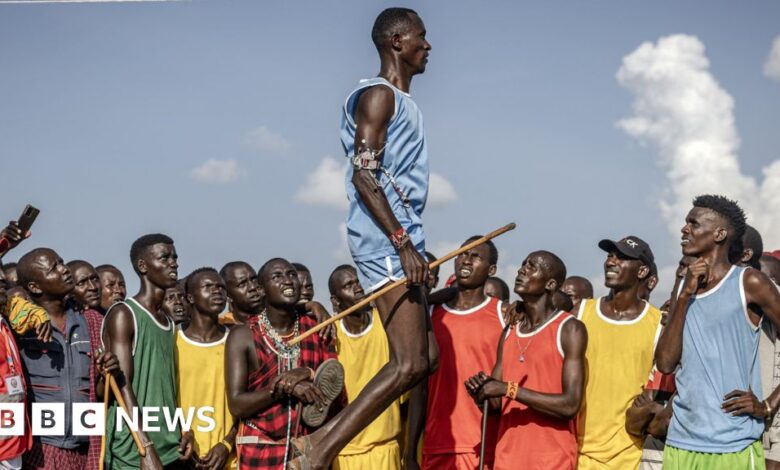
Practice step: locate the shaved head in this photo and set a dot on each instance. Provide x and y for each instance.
(552, 265)
(771, 267)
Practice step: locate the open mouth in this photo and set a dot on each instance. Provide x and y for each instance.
(465, 272)
(289, 292)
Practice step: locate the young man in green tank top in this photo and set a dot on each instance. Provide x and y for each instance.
(142, 337)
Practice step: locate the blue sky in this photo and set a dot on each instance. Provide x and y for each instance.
(108, 110)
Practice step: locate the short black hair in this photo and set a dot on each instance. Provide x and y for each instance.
(726, 208)
(191, 277)
(332, 277)
(502, 286)
(493, 251)
(554, 265)
(70, 264)
(106, 267)
(144, 242)
(752, 239)
(300, 267)
(232, 265)
(391, 21)
(261, 271)
(585, 283)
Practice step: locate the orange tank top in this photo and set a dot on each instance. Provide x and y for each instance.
(468, 341)
(529, 439)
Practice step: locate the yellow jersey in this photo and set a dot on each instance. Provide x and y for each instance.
(200, 382)
(362, 355)
(619, 361)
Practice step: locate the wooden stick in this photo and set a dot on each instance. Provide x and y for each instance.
(121, 401)
(484, 435)
(106, 397)
(399, 282)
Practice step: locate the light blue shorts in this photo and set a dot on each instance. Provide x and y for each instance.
(375, 273)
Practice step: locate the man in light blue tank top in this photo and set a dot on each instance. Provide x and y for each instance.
(712, 334)
(387, 186)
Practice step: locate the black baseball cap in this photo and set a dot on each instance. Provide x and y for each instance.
(631, 247)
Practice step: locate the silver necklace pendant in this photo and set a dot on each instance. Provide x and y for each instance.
(522, 358)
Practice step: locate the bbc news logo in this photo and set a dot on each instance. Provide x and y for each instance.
(89, 419)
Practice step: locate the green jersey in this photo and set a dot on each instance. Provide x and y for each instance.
(153, 382)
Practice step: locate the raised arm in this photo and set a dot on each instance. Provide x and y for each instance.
(375, 108)
(669, 349)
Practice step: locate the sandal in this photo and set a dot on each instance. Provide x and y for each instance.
(329, 378)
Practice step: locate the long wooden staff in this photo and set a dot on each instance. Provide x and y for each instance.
(120, 399)
(106, 397)
(400, 282)
(484, 435)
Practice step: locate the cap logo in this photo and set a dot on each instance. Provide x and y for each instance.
(632, 243)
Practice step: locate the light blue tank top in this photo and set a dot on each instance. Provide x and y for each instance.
(719, 354)
(405, 158)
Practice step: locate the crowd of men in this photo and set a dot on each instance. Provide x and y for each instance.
(463, 377)
(570, 381)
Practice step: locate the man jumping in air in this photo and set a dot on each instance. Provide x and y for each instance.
(387, 186)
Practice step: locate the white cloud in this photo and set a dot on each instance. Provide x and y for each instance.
(325, 185)
(342, 253)
(680, 109)
(265, 140)
(440, 191)
(772, 64)
(214, 171)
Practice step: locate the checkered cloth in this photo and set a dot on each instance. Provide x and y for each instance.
(94, 323)
(46, 457)
(271, 424)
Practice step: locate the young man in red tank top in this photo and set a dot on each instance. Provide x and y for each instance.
(540, 370)
(467, 329)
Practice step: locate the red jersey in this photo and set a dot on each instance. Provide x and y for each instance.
(468, 340)
(11, 370)
(527, 438)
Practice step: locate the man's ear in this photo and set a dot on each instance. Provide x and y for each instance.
(189, 298)
(140, 265)
(721, 234)
(492, 270)
(336, 304)
(396, 42)
(551, 285)
(33, 288)
(643, 272)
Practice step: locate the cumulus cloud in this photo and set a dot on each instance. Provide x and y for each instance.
(772, 64)
(441, 192)
(214, 171)
(325, 185)
(265, 140)
(681, 110)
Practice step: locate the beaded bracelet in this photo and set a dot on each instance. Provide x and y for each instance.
(511, 390)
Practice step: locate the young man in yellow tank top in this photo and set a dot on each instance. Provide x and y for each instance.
(622, 331)
(200, 369)
(362, 349)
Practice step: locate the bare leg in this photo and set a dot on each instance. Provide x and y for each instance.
(406, 323)
(772, 465)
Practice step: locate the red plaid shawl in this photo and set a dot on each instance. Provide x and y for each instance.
(271, 424)
(94, 326)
